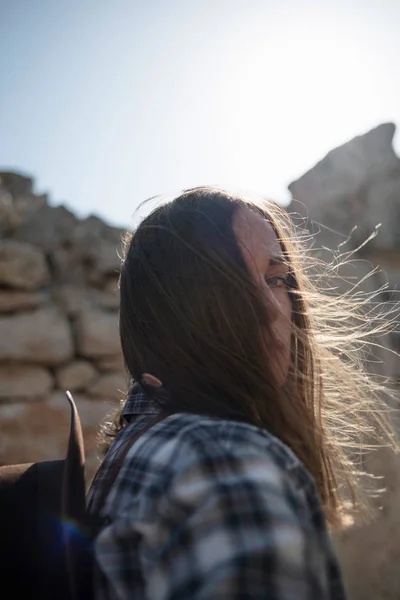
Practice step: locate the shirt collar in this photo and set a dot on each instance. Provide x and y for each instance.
(139, 403)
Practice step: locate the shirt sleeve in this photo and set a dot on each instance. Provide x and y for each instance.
(228, 527)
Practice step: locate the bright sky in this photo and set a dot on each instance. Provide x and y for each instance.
(109, 102)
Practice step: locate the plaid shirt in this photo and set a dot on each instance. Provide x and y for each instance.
(204, 508)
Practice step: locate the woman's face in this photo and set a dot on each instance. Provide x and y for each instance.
(264, 259)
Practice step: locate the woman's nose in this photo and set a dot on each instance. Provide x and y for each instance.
(274, 307)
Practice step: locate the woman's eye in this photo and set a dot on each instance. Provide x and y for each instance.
(277, 281)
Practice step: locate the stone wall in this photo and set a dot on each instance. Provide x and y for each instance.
(58, 323)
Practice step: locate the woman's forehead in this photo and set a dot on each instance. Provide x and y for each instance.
(256, 236)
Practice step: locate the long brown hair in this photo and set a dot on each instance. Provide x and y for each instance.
(191, 315)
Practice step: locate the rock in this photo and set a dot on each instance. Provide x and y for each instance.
(107, 298)
(8, 218)
(103, 267)
(89, 230)
(111, 284)
(99, 246)
(33, 432)
(92, 229)
(16, 184)
(14, 210)
(41, 336)
(369, 556)
(39, 430)
(105, 258)
(24, 382)
(97, 334)
(76, 376)
(110, 385)
(345, 170)
(49, 227)
(68, 264)
(111, 363)
(377, 208)
(12, 412)
(91, 410)
(382, 206)
(22, 266)
(11, 301)
(389, 262)
(75, 299)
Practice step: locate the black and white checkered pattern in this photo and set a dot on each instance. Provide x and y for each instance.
(139, 403)
(204, 508)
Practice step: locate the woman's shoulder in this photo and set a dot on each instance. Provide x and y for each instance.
(216, 490)
(185, 456)
(181, 440)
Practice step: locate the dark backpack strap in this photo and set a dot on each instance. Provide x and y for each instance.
(42, 517)
(76, 525)
(73, 489)
(110, 478)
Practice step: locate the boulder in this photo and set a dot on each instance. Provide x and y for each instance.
(92, 229)
(33, 432)
(48, 227)
(89, 230)
(108, 298)
(12, 301)
(105, 257)
(24, 382)
(42, 336)
(382, 206)
(14, 210)
(68, 264)
(76, 376)
(22, 266)
(16, 184)
(111, 363)
(111, 284)
(112, 386)
(97, 334)
(99, 246)
(75, 299)
(345, 170)
(8, 218)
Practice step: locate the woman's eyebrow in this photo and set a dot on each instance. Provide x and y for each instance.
(277, 261)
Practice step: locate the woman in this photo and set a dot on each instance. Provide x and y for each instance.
(246, 408)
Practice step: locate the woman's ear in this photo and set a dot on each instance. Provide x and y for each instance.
(151, 380)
